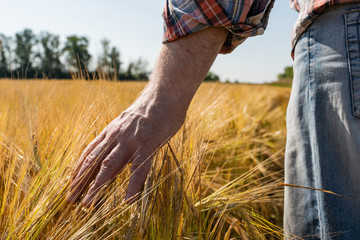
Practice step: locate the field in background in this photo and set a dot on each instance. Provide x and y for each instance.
(216, 179)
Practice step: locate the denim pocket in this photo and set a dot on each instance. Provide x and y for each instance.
(352, 24)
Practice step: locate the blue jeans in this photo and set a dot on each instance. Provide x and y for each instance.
(323, 122)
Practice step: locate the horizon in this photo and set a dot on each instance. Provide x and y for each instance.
(270, 51)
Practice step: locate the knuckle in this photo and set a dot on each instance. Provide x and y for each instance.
(91, 155)
(112, 135)
(87, 149)
(89, 160)
(108, 165)
(124, 114)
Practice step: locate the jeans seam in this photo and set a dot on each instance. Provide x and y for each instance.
(348, 61)
(315, 157)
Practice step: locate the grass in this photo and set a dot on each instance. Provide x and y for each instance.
(216, 179)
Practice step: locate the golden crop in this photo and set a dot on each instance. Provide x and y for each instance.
(216, 179)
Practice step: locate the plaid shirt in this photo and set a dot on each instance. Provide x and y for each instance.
(309, 10)
(243, 18)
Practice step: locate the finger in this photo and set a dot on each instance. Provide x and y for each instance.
(86, 152)
(109, 169)
(139, 171)
(89, 169)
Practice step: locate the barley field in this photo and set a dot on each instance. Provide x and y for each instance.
(218, 178)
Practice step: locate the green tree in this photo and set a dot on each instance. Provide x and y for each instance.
(115, 62)
(25, 56)
(137, 70)
(77, 54)
(109, 61)
(50, 63)
(5, 56)
(288, 74)
(211, 77)
(103, 61)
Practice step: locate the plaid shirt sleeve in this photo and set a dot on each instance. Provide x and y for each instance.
(242, 18)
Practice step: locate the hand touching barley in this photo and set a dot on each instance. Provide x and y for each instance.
(132, 137)
(151, 121)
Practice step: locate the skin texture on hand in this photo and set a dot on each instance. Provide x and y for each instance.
(158, 113)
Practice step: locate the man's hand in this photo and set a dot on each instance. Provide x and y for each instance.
(130, 138)
(151, 121)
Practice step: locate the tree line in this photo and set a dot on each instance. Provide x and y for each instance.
(288, 74)
(27, 55)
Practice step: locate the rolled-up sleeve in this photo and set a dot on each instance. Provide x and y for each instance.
(242, 18)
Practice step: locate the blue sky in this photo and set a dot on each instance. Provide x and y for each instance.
(135, 27)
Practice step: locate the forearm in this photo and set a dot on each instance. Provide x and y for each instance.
(181, 67)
